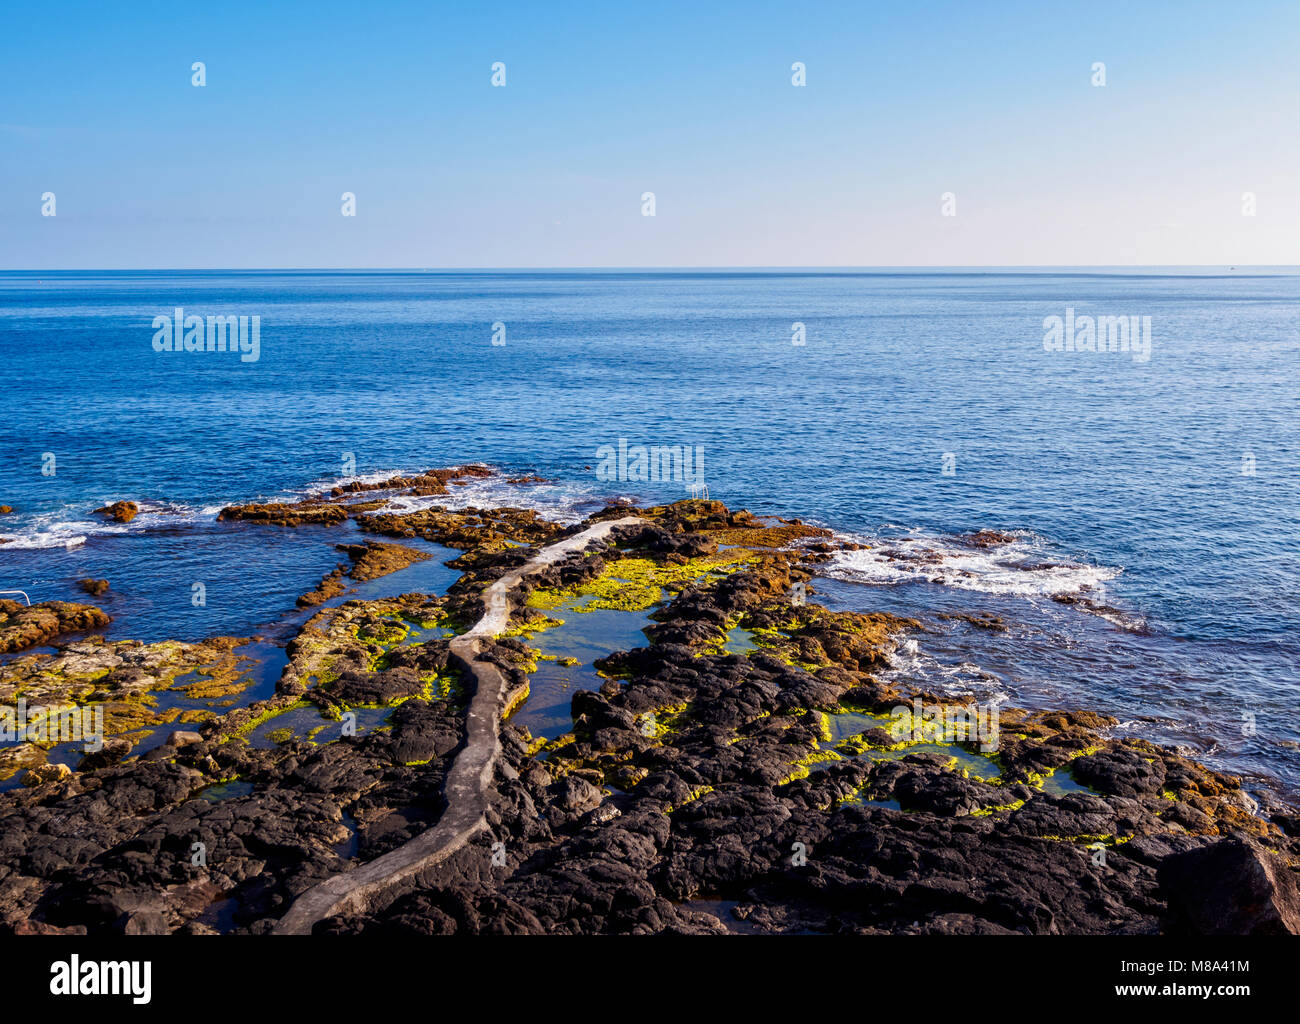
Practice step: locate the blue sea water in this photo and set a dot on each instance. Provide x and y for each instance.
(1128, 483)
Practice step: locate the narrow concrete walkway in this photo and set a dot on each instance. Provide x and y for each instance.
(377, 883)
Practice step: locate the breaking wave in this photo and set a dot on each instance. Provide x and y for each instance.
(560, 501)
(1016, 565)
(72, 526)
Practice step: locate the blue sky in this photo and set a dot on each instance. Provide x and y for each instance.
(393, 102)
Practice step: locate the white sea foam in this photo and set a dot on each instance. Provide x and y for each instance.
(911, 664)
(53, 531)
(72, 526)
(323, 486)
(561, 502)
(1018, 567)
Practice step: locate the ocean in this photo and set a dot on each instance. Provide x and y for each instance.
(1153, 497)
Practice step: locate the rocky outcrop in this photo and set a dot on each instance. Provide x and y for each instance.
(488, 529)
(1233, 887)
(22, 626)
(116, 684)
(775, 780)
(370, 561)
(330, 586)
(373, 559)
(330, 508)
(287, 514)
(987, 538)
(119, 511)
(430, 482)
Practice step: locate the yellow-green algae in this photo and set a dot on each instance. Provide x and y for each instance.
(803, 766)
(516, 699)
(659, 722)
(1038, 780)
(638, 584)
(984, 812)
(531, 626)
(691, 797)
(265, 716)
(202, 671)
(1105, 839)
(435, 686)
(766, 639)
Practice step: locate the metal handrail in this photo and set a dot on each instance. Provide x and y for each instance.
(25, 597)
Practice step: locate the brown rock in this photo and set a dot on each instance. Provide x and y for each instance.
(330, 586)
(145, 922)
(987, 538)
(46, 773)
(22, 627)
(121, 511)
(93, 587)
(41, 928)
(374, 559)
(283, 514)
(430, 482)
(112, 752)
(17, 757)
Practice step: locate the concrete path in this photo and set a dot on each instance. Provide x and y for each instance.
(377, 883)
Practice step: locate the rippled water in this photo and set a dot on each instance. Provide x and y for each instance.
(1122, 480)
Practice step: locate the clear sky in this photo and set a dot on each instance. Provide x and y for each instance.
(904, 101)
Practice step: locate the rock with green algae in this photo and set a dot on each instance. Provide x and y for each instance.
(124, 682)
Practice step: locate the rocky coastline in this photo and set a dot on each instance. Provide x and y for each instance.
(701, 788)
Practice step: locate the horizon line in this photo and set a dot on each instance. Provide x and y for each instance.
(688, 268)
